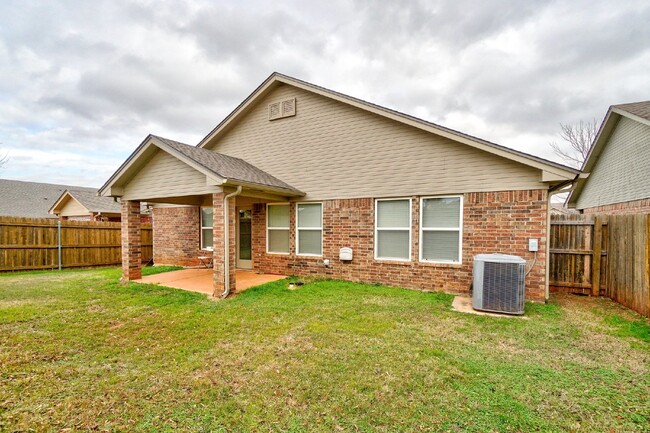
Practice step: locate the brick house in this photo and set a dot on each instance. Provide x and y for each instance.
(616, 178)
(298, 172)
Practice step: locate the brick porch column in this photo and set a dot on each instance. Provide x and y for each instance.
(131, 241)
(218, 276)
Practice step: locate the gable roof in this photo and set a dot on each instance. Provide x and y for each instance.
(637, 111)
(554, 171)
(223, 169)
(32, 199)
(89, 199)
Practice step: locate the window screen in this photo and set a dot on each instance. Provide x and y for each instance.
(277, 228)
(393, 229)
(206, 227)
(441, 232)
(309, 222)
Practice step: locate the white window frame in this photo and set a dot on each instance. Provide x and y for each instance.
(410, 229)
(309, 228)
(443, 229)
(288, 228)
(203, 228)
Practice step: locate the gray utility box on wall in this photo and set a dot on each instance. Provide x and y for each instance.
(499, 283)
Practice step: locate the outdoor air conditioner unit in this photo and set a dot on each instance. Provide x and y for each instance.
(499, 283)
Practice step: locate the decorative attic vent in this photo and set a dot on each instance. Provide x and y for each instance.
(286, 108)
(274, 111)
(289, 107)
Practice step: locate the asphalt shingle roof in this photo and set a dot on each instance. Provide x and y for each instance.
(641, 109)
(90, 200)
(227, 167)
(32, 199)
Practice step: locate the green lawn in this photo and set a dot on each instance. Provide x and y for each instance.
(80, 352)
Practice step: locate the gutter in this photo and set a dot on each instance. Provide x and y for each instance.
(226, 242)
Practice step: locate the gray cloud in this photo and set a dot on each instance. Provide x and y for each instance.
(86, 81)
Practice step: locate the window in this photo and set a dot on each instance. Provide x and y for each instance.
(206, 227)
(309, 223)
(393, 229)
(441, 229)
(277, 228)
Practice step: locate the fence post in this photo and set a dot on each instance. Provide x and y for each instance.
(59, 241)
(597, 254)
(647, 263)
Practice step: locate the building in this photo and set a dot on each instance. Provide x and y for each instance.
(297, 172)
(616, 177)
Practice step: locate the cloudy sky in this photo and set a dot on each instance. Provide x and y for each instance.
(83, 82)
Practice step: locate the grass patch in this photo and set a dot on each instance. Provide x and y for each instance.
(79, 351)
(629, 328)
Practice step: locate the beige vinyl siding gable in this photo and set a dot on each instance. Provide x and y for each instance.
(622, 172)
(333, 150)
(73, 208)
(166, 176)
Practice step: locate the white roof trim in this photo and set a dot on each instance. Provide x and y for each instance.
(631, 116)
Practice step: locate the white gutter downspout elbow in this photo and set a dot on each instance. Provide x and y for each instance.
(226, 241)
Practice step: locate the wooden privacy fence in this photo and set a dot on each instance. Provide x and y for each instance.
(602, 255)
(33, 243)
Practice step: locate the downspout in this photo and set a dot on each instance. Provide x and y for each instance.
(551, 192)
(226, 242)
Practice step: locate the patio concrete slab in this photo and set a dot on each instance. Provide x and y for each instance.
(200, 280)
(463, 304)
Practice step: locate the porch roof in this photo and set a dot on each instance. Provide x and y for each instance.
(222, 170)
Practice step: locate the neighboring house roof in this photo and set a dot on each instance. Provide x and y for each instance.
(560, 209)
(31, 199)
(640, 109)
(553, 170)
(220, 169)
(88, 198)
(638, 112)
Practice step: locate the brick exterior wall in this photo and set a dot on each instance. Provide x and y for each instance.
(494, 222)
(177, 236)
(131, 241)
(625, 208)
(218, 238)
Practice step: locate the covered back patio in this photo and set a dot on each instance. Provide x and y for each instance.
(202, 204)
(201, 280)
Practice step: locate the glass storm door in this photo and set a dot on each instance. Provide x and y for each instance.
(244, 239)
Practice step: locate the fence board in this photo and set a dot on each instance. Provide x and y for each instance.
(596, 255)
(32, 243)
(571, 252)
(602, 255)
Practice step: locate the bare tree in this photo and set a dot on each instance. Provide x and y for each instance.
(3, 160)
(578, 138)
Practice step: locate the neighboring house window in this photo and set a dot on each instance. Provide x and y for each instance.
(441, 223)
(277, 228)
(309, 223)
(206, 227)
(393, 229)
